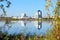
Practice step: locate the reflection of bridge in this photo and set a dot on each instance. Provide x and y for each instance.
(8, 20)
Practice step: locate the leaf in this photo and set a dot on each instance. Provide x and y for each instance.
(1, 6)
(1, 0)
(8, 4)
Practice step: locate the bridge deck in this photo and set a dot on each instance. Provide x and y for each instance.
(22, 19)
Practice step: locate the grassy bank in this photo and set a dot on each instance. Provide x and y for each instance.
(5, 36)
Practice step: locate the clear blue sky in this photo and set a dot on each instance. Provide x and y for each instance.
(27, 6)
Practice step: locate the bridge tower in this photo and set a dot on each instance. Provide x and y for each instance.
(39, 22)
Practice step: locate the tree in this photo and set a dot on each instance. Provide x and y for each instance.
(2, 6)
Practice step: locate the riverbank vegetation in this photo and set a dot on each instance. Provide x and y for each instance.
(48, 36)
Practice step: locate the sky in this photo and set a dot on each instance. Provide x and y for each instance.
(26, 6)
(29, 7)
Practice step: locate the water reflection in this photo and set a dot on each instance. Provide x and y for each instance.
(30, 27)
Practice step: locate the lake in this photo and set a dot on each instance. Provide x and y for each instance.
(17, 28)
